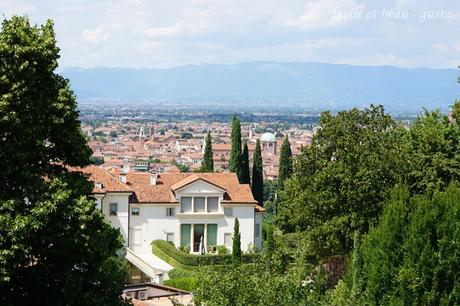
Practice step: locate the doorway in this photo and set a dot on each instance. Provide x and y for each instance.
(198, 232)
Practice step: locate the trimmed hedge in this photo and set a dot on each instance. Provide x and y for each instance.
(185, 283)
(178, 259)
(175, 273)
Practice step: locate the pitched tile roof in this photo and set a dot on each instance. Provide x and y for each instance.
(108, 181)
(163, 191)
(166, 183)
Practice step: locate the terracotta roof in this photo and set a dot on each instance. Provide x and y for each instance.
(109, 182)
(162, 192)
(259, 208)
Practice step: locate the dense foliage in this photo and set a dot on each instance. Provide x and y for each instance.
(411, 257)
(340, 181)
(55, 246)
(367, 194)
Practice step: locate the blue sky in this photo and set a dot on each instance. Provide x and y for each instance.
(166, 33)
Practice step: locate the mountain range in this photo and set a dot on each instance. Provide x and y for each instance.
(293, 84)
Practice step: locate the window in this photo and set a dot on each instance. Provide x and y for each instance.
(213, 204)
(113, 209)
(185, 231)
(227, 238)
(186, 204)
(170, 237)
(257, 230)
(212, 235)
(228, 212)
(170, 212)
(135, 211)
(199, 204)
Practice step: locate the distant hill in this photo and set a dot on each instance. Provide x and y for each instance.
(309, 85)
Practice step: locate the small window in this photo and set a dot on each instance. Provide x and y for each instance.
(257, 230)
(113, 209)
(186, 204)
(170, 237)
(199, 204)
(228, 212)
(135, 211)
(213, 204)
(227, 238)
(170, 212)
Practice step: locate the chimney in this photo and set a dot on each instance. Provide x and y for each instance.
(122, 177)
(153, 179)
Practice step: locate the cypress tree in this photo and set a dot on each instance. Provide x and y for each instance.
(257, 175)
(269, 247)
(245, 177)
(208, 163)
(236, 248)
(235, 164)
(285, 170)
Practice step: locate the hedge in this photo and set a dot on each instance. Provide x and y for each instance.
(185, 283)
(178, 259)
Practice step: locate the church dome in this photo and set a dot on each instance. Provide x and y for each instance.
(269, 137)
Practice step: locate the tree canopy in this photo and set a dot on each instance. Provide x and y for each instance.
(55, 246)
(341, 180)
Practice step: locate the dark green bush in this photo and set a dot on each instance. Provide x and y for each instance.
(161, 248)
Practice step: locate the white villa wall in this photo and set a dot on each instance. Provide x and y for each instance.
(120, 221)
(152, 224)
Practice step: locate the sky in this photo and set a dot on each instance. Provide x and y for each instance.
(168, 33)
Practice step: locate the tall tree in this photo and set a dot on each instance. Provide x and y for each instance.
(236, 247)
(208, 162)
(332, 196)
(51, 235)
(257, 175)
(285, 168)
(235, 164)
(411, 256)
(245, 176)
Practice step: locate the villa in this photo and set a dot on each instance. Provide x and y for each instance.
(184, 208)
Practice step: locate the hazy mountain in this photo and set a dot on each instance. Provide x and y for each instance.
(312, 85)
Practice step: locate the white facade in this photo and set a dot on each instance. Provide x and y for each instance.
(164, 220)
(142, 223)
(119, 219)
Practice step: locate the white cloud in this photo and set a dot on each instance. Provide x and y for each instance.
(164, 33)
(325, 13)
(96, 35)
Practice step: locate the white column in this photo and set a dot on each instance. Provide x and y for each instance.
(191, 237)
(205, 238)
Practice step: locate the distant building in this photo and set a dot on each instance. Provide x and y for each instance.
(268, 143)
